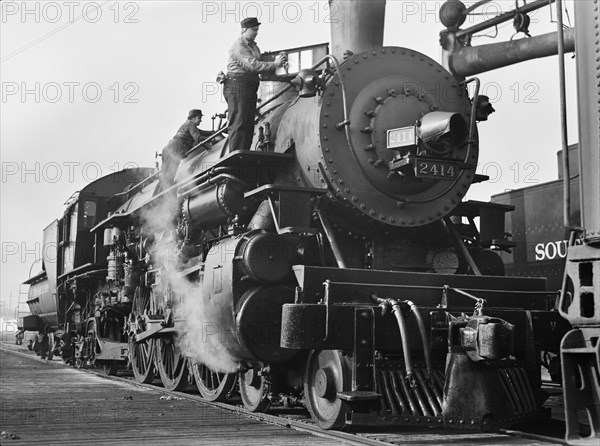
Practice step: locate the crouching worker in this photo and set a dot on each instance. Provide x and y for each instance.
(188, 136)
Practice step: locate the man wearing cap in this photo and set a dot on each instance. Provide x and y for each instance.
(241, 84)
(188, 136)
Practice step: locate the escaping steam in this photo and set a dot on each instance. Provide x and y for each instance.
(202, 338)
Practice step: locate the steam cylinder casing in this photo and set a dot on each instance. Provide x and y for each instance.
(241, 314)
(386, 88)
(217, 203)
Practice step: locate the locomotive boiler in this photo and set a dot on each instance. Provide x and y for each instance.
(336, 263)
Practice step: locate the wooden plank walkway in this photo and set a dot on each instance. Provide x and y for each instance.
(44, 403)
(48, 403)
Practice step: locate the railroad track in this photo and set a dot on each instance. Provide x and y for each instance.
(300, 421)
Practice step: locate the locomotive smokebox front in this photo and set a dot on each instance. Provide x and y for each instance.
(393, 137)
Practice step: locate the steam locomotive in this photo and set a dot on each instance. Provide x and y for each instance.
(335, 264)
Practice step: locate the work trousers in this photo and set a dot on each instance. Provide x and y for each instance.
(45, 347)
(241, 95)
(171, 156)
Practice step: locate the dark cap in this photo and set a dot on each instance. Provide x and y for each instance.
(250, 22)
(193, 113)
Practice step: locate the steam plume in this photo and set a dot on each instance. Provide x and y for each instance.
(201, 339)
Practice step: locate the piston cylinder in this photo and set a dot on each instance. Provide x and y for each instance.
(258, 322)
(266, 257)
(214, 205)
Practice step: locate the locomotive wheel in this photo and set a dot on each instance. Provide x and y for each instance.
(327, 372)
(254, 390)
(213, 386)
(141, 354)
(171, 364)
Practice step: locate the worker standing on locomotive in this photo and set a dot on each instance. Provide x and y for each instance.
(188, 136)
(241, 84)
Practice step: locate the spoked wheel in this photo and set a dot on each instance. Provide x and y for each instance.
(254, 390)
(141, 354)
(171, 364)
(213, 386)
(142, 360)
(327, 372)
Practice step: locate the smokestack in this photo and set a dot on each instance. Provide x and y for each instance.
(356, 25)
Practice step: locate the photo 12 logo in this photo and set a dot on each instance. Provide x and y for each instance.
(69, 92)
(428, 11)
(67, 171)
(69, 12)
(270, 12)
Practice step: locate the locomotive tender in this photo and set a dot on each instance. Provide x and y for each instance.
(336, 263)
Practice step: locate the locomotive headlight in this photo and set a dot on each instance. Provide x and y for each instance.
(440, 132)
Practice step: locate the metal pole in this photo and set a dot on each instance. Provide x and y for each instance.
(563, 118)
(460, 245)
(329, 233)
(468, 60)
(503, 18)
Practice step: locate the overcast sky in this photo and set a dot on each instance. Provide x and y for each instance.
(89, 88)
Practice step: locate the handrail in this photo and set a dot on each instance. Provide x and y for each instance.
(503, 17)
(440, 288)
(209, 139)
(136, 186)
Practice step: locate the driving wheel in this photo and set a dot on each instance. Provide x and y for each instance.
(254, 390)
(171, 364)
(213, 386)
(141, 354)
(327, 373)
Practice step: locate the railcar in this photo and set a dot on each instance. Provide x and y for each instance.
(536, 226)
(77, 293)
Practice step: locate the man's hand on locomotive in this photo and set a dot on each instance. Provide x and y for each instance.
(281, 59)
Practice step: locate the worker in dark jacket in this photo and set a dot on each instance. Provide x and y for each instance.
(188, 136)
(241, 84)
(45, 342)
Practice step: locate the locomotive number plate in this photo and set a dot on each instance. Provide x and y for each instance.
(436, 169)
(401, 137)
